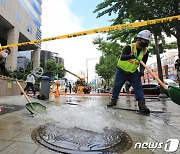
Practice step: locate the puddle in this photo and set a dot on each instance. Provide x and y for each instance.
(77, 140)
(5, 108)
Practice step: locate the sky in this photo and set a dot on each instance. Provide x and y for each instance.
(60, 17)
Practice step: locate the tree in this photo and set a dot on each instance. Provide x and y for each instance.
(108, 48)
(21, 74)
(53, 69)
(138, 10)
(60, 73)
(108, 61)
(105, 68)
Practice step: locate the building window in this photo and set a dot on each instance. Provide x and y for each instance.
(38, 37)
(38, 34)
(18, 16)
(3, 2)
(39, 1)
(31, 11)
(29, 28)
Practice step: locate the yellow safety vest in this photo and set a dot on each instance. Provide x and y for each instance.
(131, 65)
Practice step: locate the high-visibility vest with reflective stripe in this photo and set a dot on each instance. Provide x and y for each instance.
(131, 65)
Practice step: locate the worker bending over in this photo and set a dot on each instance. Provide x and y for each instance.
(127, 69)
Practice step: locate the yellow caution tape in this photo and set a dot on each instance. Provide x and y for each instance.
(98, 30)
(7, 78)
(10, 78)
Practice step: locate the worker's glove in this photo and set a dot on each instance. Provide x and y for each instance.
(136, 57)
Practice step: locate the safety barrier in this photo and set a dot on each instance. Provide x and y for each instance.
(98, 30)
(9, 87)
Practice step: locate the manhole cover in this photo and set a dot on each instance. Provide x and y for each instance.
(76, 140)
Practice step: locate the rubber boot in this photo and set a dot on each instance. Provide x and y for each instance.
(143, 108)
(112, 103)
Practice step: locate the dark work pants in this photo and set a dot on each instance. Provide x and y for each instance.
(134, 79)
(29, 84)
(3, 69)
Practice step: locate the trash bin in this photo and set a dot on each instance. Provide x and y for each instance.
(44, 87)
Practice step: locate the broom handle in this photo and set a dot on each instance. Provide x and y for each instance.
(158, 80)
(23, 91)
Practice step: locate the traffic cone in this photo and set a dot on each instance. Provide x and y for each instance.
(57, 93)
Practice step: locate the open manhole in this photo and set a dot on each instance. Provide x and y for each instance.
(8, 108)
(79, 141)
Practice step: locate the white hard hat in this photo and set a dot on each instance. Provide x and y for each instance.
(145, 34)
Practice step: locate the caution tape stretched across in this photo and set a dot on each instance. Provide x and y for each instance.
(98, 30)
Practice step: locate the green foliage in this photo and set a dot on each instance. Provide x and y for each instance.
(108, 48)
(60, 73)
(19, 74)
(106, 67)
(29, 68)
(172, 45)
(111, 51)
(52, 69)
(132, 11)
(138, 10)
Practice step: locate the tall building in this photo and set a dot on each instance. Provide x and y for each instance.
(26, 54)
(58, 59)
(20, 21)
(45, 55)
(22, 63)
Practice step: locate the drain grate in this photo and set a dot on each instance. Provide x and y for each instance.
(77, 140)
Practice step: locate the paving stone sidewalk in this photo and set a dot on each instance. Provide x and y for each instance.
(89, 113)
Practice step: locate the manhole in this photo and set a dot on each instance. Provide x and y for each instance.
(6, 108)
(79, 141)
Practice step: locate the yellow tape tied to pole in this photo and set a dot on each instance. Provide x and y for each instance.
(98, 30)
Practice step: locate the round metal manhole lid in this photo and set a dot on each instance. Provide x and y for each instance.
(77, 140)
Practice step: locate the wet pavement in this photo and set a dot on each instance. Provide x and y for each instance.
(82, 124)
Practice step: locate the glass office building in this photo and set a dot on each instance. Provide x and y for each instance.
(20, 21)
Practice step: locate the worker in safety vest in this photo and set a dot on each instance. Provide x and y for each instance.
(127, 69)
